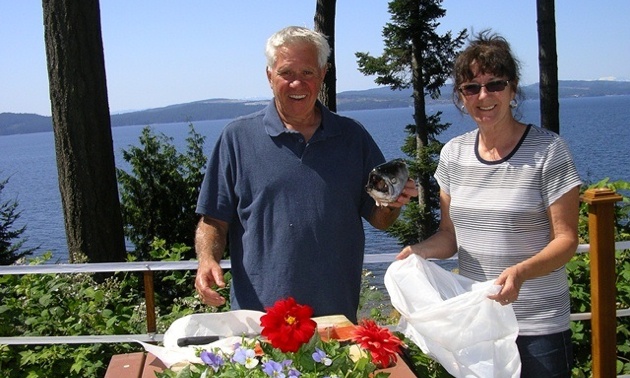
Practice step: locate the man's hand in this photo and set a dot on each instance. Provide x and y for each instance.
(210, 277)
(210, 240)
(409, 191)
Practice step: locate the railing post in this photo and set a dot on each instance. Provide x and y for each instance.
(601, 226)
(149, 297)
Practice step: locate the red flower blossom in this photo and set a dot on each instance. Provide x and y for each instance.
(380, 342)
(287, 325)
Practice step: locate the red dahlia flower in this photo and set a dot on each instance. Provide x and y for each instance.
(380, 342)
(287, 325)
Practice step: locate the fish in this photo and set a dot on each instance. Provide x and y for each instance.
(387, 181)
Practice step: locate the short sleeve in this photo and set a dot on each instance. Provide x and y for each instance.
(442, 173)
(559, 174)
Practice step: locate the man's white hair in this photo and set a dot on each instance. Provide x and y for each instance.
(296, 34)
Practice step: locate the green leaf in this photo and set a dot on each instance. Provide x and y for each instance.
(45, 299)
(111, 321)
(107, 313)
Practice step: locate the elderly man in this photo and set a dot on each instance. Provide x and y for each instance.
(284, 189)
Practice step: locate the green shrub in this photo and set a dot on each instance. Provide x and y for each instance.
(579, 279)
(64, 305)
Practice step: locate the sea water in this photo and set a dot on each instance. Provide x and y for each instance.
(597, 130)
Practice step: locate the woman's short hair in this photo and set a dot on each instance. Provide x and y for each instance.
(297, 34)
(489, 53)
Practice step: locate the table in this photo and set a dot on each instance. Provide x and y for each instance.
(145, 365)
(134, 365)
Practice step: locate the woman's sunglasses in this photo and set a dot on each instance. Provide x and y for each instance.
(491, 86)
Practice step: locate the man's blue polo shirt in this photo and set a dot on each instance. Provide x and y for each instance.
(294, 209)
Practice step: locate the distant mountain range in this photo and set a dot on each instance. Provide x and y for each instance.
(220, 108)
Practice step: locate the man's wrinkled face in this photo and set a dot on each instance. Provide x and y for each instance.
(296, 79)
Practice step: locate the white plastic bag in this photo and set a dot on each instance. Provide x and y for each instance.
(231, 326)
(451, 319)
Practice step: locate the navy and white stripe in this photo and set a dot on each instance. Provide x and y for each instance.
(499, 210)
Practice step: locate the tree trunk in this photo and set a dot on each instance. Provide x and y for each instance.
(420, 116)
(325, 24)
(548, 64)
(82, 130)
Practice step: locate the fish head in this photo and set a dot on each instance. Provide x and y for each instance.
(387, 181)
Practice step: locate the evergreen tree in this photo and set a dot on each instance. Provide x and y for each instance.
(416, 56)
(159, 195)
(10, 248)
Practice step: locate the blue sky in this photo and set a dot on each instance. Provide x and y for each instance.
(160, 52)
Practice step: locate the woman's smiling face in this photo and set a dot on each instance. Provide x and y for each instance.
(488, 108)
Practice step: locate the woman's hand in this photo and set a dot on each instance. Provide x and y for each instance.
(510, 281)
(408, 250)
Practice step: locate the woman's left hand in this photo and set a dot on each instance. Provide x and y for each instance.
(510, 281)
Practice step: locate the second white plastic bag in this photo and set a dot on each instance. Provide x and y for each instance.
(451, 319)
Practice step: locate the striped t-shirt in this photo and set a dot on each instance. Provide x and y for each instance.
(499, 210)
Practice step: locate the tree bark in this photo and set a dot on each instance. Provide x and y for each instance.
(82, 130)
(548, 64)
(418, 46)
(325, 24)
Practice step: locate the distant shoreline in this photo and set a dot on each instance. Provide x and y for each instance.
(221, 108)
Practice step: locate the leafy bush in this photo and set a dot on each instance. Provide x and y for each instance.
(580, 284)
(63, 305)
(622, 210)
(77, 304)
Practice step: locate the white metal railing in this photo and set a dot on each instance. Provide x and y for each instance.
(153, 266)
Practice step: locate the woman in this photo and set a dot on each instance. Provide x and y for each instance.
(509, 205)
